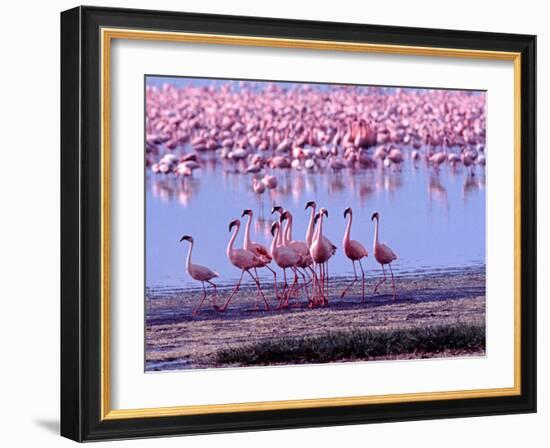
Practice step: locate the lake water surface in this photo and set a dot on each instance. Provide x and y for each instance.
(432, 221)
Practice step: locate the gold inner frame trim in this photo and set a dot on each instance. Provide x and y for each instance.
(107, 35)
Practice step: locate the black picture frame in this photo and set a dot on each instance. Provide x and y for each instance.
(81, 224)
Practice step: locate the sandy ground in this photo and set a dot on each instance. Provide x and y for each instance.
(177, 340)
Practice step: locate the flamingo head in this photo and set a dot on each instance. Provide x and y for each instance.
(246, 212)
(233, 223)
(187, 238)
(346, 211)
(274, 227)
(311, 204)
(285, 215)
(323, 211)
(374, 216)
(277, 208)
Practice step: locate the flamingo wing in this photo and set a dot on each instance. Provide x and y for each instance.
(202, 273)
(261, 251)
(387, 252)
(356, 250)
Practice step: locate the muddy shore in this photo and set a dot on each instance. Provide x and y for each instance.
(177, 340)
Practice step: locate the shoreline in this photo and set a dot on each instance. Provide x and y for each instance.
(176, 340)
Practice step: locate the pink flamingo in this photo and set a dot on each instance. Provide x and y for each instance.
(311, 227)
(285, 258)
(300, 247)
(383, 255)
(257, 249)
(200, 273)
(321, 250)
(244, 260)
(355, 251)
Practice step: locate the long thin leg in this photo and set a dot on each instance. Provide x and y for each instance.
(328, 284)
(352, 282)
(303, 274)
(274, 280)
(293, 286)
(381, 281)
(322, 282)
(256, 305)
(215, 292)
(362, 282)
(196, 310)
(393, 284)
(284, 288)
(257, 281)
(223, 308)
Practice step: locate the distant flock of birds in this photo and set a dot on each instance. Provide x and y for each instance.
(308, 259)
(259, 131)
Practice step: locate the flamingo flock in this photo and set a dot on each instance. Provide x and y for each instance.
(262, 129)
(307, 260)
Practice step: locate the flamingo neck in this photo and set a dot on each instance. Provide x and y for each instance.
(246, 241)
(319, 232)
(348, 229)
(188, 264)
(231, 241)
(310, 227)
(288, 229)
(376, 232)
(274, 242)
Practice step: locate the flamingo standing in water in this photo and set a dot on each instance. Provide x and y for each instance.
(245, 261)
(200, 273)
(321, 250)
(284, 257)
(257, 249)
(383, 255)
(355, 251)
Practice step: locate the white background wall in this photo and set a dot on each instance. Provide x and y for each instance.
(29, 223)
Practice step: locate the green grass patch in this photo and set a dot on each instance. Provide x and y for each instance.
(357, 345)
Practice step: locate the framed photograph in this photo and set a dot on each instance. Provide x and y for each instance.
(273, 223)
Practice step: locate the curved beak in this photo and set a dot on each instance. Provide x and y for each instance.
(246, 212)
(232, 224)
(346, 211)
(374, 216)
(310, 204)
(276, 208)
(325, 212)
(185, 237)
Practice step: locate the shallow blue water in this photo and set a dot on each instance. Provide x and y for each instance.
(431, 221)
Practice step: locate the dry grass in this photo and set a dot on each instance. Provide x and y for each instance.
(358, 345)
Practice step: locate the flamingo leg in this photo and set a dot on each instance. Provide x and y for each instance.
(381, 281)
(274, 280)
(352, 282)
(327, 281)
(362, 282)
(304, 282)
(257, 281)
(237, 287)
(293, 287)
(256, 305)
(284, 288)
(393, 284)
(215, 292)
(322, 283)
(196, 310)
